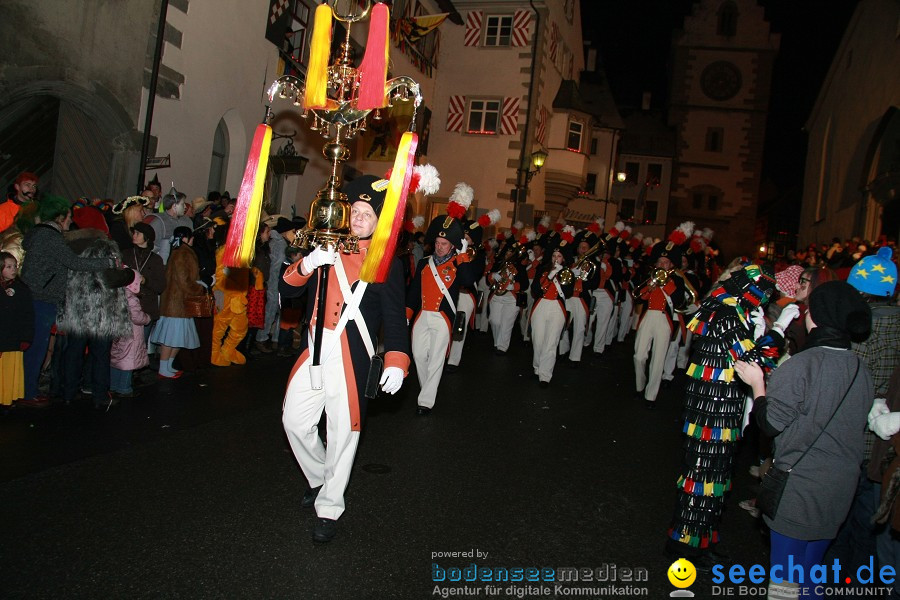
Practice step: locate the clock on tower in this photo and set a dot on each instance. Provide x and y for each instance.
(720, 80)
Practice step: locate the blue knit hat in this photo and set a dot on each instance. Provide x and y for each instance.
(875, 275)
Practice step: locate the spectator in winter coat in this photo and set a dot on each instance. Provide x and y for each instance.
(129, 352)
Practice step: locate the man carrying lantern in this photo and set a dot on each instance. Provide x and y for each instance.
(355, 312)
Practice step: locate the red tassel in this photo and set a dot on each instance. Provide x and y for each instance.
(373, 69)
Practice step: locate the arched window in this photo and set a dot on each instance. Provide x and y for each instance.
(218, 166)
(728, 15)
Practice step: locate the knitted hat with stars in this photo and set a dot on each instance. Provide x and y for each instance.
(875, 275)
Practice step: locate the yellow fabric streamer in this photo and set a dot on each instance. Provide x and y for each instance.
(315, 92)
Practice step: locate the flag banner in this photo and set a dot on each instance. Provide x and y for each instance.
(278, 23)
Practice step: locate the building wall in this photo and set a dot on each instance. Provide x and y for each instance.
(489, 163)
(222, 78)
(90, 54)
(861, 86)
(733, 99)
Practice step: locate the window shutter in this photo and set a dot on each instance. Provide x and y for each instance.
(509, 120)
(554, 42)
(521, 28)
(473, 28)
(541, 129)
(456, 113)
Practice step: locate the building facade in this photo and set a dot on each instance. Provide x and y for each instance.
(852, 173)
(720, 84)
(493, 106)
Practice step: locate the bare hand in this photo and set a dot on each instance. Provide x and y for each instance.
(752, 375)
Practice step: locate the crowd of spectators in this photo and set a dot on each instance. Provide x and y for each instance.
(98, 294)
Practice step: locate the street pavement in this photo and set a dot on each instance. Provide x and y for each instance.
(191, 491)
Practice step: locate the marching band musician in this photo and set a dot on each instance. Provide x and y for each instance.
(468, 294)
(508, 279)
(484, 285)
(346, 356)
(606, 292)
(659, 321)
(548, 318)
(431, 303)
(578, 304)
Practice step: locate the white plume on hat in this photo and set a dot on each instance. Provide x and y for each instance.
(494, 215)
(418, 221)
(462, 194)
(429, 179)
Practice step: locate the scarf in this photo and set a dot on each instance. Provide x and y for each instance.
(827, 336)
(438, 261)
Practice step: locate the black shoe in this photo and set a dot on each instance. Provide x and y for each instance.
(545, 384)
(309, 496)
(499, 352)
(650, 404)
(666, 384)
(325, 531)
(573, 364)
(451, 368)
(639, 396)
(422, 411)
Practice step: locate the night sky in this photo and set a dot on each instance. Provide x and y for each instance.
(634, 38)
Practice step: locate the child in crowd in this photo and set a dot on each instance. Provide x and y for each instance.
(129, 353)
(16, 330)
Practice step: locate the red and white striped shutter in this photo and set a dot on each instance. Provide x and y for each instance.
(473, 28)
(456, 113)
(521, 28)
(509, 119)
(554, 42)
(541, 130)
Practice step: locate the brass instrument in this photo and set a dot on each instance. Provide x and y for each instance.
(659, 277)
(585, 263)
(689, 292)
(565, 276)
(507, 274)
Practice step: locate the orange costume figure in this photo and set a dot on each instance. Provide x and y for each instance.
(230, 323)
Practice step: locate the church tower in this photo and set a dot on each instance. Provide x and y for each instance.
(720, 84)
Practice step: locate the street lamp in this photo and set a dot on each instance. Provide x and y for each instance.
(524, 175)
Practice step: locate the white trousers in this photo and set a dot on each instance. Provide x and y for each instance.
(684, 353)
(625, 310)
(672, 356)
(481, 318)
(576, 306)
(602, 315)
(525, 317)
(613, 326)
(652, 335)
(467, 305)
(329, 466)
(547, 323)
(503, 317)
(430, 339)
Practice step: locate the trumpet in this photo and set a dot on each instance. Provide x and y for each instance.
(659, 277)
(585, 263)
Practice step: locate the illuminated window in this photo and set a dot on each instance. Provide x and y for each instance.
(484, 116)
(574, 140)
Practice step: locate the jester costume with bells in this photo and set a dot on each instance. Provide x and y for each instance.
(714, 404)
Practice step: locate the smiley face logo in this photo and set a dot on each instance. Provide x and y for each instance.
(682, 573)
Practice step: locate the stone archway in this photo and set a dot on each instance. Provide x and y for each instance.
(95, 146)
